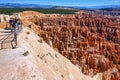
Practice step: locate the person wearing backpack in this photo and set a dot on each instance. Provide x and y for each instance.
(11, 21)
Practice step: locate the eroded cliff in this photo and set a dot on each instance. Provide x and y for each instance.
(87, 40)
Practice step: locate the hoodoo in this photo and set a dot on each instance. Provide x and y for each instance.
(80, 46)
(88, 40)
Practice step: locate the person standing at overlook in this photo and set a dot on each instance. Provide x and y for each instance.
(16, 26)
(11, 21)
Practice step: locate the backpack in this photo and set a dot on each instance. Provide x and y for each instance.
(14, 24)
(11, 21)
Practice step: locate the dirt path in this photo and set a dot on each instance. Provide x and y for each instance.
(15, 66)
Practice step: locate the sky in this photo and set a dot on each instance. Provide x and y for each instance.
(66, 2)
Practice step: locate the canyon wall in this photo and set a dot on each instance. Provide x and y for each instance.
(89, 41)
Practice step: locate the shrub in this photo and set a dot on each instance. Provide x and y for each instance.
(26, 53)
(28, 32)
(42, 10)
(40, 40)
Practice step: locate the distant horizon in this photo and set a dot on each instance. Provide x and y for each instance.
(64, 5)
(85, 3)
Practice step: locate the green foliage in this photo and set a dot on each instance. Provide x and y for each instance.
(28, 32)
(26, 53)
(62, 76)
(40, 40)
(42, 10)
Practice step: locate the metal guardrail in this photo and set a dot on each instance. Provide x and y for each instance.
(5, 37)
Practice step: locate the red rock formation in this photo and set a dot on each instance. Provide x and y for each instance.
(83, 39)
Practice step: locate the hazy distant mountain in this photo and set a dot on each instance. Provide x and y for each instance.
(63, 7)
(17, 5)
(104, 6)
(88, 7)
(70, 7)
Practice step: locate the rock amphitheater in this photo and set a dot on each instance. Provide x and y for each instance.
(91, 42)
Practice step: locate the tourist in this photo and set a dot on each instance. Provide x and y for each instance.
(11, 21)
